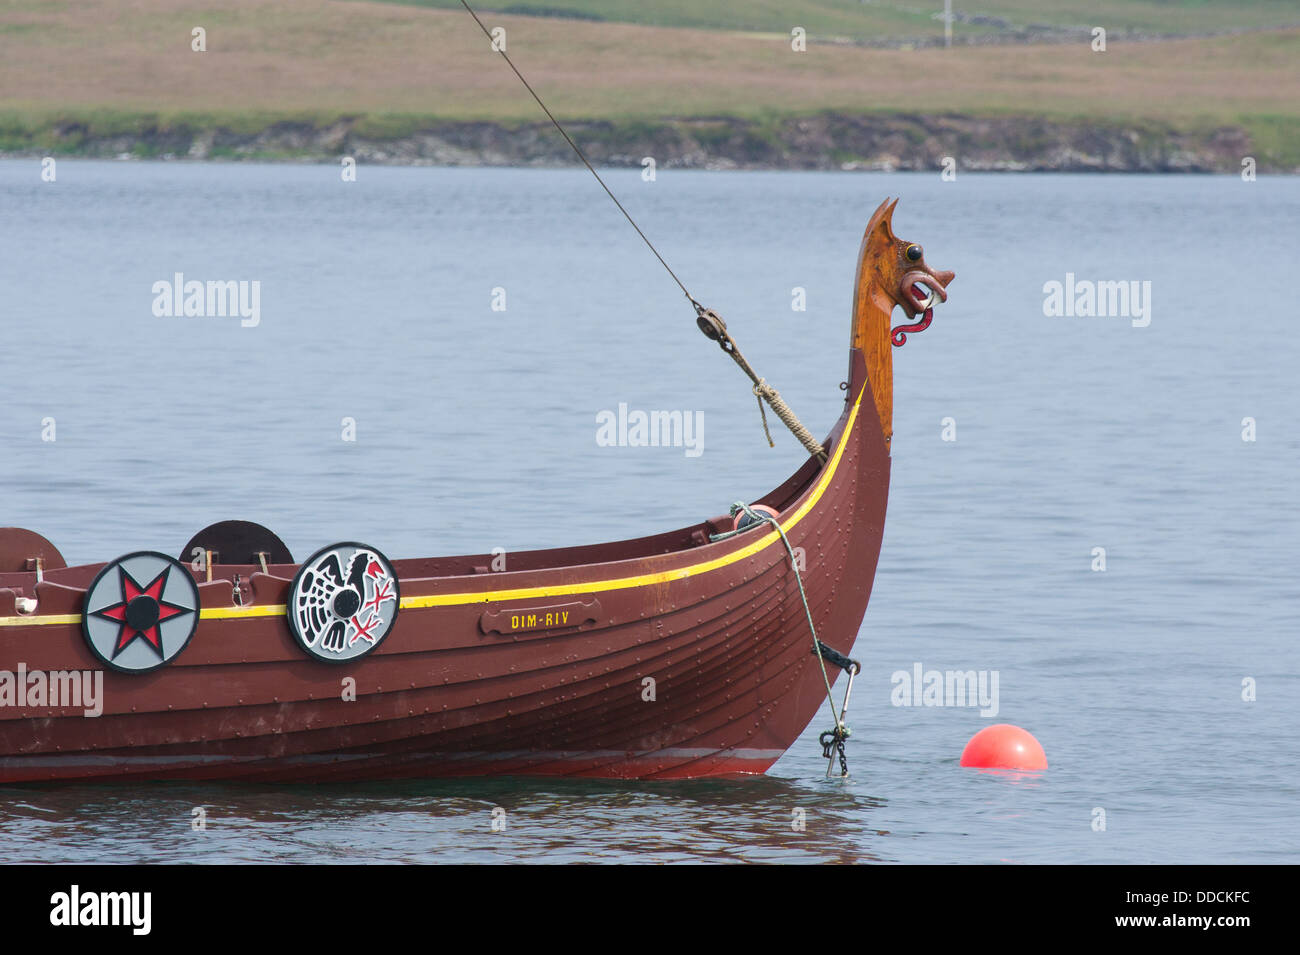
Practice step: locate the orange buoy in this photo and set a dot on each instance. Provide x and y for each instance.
(1004, 746)
(742, 520)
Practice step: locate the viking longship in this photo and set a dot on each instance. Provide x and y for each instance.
(697, 652)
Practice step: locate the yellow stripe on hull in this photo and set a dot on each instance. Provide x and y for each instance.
(520, 593)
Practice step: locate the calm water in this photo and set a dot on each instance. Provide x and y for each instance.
(476, 429)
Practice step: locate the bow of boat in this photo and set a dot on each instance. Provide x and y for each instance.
(686, 653)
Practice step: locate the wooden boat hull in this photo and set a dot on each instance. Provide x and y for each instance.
(670, 656)
(718, 627)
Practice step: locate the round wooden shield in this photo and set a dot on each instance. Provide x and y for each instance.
(20, 549)
(237, 542)
(141, 611)
(343, 602)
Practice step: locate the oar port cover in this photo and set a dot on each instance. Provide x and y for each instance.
(140, 612)
(343, 602)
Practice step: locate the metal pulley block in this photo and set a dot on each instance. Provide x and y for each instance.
(711, 324)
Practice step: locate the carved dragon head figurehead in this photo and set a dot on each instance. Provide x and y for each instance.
(891, 272)
(902, 273)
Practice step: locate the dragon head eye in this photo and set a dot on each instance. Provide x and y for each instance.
(914, 253)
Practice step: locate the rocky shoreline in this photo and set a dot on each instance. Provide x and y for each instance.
(828, 141)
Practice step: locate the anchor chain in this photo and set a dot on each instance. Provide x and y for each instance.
(833, 739)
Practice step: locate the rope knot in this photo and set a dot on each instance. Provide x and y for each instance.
(715, 329)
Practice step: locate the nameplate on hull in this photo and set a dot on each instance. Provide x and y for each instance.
(565, 616)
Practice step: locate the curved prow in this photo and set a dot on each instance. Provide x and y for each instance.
(891, 272)
(872, 307)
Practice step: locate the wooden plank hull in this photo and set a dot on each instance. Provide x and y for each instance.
(719, 627)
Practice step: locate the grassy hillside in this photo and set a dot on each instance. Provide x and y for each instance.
(109, 65)
(875, 20)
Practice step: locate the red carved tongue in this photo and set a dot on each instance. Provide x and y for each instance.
(918, 292)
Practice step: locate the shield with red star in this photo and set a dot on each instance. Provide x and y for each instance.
(141, 611)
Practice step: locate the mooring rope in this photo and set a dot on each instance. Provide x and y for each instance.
(762, 391)
(581, 155)
(715, 329)
(788, 418)
(841, 732)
